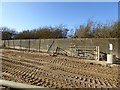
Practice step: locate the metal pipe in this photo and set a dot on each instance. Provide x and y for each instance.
(12, 84)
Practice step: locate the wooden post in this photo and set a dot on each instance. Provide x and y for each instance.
(50, 46)
(96, 52)
(53, 48)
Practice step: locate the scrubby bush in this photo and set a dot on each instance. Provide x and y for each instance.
(94, 30)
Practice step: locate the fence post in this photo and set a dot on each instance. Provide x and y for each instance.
(96, 52)
(29, 44)
(39, 44)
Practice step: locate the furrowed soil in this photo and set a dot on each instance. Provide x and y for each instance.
(40, 69)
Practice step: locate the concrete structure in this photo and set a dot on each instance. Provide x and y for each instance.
(111, 58)
(41, 44)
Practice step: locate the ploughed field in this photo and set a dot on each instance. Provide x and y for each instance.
(40, 69)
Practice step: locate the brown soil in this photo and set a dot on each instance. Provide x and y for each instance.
(40, 69)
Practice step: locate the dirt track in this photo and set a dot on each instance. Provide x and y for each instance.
(56, 72)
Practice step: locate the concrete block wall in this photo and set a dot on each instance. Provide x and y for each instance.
(45, 43)
(41, 44)
(17, 44)
(34, 44)
(103, 43)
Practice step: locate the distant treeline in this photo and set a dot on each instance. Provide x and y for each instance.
(90, 30)
(97, 30)
(40, 33)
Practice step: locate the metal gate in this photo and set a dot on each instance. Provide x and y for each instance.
(82, 52)
(85, 52)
